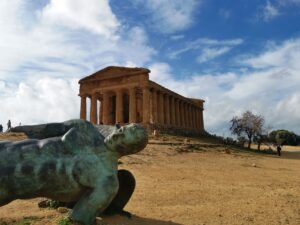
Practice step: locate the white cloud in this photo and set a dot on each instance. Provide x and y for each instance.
(271, 89)
(170, 16)
(39, 100)
(285, 55)
(177, 37)
(93, 15)
(211, 53)
(275, 8)
(269, 11)
(209, 48)
(65, 50)
(44, 53)
(161, 73)
(288, 2)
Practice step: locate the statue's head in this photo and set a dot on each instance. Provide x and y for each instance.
(128, 139)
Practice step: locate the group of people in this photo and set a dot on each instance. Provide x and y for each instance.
(8, 126)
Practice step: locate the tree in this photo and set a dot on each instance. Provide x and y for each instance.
(249, 125)
(260, 138)
(284, 137)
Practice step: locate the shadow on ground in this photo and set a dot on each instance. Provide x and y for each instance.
(135, 220)
(290, 155)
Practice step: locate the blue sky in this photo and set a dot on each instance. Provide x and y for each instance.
(236, 55)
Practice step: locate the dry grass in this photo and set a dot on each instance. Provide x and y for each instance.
(12, 136)
(273, 147)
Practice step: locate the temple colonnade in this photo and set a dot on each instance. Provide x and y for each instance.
(147, 105)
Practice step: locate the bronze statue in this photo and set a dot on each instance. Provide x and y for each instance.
(70, 162)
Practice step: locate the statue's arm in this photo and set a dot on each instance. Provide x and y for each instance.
(42, 131)
(48, 130)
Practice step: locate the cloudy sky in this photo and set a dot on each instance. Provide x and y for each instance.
(236, 55)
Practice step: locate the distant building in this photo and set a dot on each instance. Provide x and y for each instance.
(126, 95)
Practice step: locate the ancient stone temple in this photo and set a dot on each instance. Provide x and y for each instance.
(126, 95)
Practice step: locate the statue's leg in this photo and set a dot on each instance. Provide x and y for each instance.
(94, 201)
(126, 189)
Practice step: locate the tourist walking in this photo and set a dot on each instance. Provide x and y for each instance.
(8, 125)
(278, 150)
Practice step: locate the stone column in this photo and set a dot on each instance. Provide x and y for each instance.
(201, 119)
(177, 112)
(186, 120)
(194, 117)
(119, 106)
(172, 109)
(105, 104)
(161, 108)
(197, 118)
(146, 103)
(93, 112)
(191, 115)
(188, 115)
(182, 113)
(158, 94)
(132, 105)
(83, 107)
(101, 111)
(154, 106)
(167, 110)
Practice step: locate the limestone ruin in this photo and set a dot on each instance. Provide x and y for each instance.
(127, 95)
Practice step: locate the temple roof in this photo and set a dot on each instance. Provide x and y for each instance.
(113, 72)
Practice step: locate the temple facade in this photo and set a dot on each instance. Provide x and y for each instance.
(126, 95)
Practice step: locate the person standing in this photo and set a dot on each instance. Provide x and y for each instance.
(8, 125)
(118, 125)
(1, 128)
(278, 150)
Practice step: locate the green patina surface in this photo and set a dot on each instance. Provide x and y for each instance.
(67, 162)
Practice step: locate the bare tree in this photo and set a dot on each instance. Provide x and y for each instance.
(249, 125)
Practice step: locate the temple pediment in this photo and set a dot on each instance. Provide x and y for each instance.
(114, 72)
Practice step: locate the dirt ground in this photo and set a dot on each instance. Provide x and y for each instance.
(200, 182)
